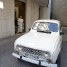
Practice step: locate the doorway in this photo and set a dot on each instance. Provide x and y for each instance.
(20, 10)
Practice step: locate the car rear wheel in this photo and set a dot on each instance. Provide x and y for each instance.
(59, 60)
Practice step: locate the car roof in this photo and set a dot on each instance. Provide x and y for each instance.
(48, 20)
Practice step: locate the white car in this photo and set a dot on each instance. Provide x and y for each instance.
(41, 45)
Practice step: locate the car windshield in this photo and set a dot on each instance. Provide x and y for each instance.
(45, 26)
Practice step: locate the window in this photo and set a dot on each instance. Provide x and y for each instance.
(1, 5)
(46, 26)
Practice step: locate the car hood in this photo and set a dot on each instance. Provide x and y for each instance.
(40, 41)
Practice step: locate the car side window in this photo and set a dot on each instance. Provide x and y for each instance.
(53, 27)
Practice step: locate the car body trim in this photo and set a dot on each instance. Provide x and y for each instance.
(34, 61)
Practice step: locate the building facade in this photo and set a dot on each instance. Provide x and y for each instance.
(35, 9)
(7, 18)
(59, 11)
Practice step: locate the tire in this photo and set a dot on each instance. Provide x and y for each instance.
(59, 60)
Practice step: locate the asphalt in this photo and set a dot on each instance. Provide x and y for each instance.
(7, 60)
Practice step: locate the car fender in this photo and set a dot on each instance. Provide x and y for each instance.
(57, 49)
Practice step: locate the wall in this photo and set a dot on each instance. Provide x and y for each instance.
(32, 12)
(44, 13)
(45, 10)
(59, 11)
(7, 19)
(7, 27)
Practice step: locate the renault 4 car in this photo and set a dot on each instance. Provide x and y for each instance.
(41, 45)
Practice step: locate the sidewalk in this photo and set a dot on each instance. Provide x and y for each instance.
(64, 29)
(15, 36)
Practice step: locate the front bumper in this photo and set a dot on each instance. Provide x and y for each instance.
(35, 61)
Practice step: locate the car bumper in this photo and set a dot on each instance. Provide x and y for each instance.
(35, 61)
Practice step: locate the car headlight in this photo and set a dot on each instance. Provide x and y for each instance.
(18, 48)
(47, 55)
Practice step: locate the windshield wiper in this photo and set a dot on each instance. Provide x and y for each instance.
(43, 31)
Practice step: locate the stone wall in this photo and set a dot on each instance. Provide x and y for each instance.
(59, 11)
(32, 13)
(7, 19)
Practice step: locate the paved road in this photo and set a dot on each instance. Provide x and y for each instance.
(7, 60)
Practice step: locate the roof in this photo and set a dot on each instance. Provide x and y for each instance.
(48, 20)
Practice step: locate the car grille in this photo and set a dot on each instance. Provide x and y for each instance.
(34, 52)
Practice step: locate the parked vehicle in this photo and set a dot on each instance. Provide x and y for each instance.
(41, 45)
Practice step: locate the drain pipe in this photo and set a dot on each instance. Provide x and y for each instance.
(49, 8)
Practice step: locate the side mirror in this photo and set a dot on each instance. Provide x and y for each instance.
(61, 33)
(29, 29)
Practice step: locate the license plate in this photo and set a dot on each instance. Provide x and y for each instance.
(30, 56)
